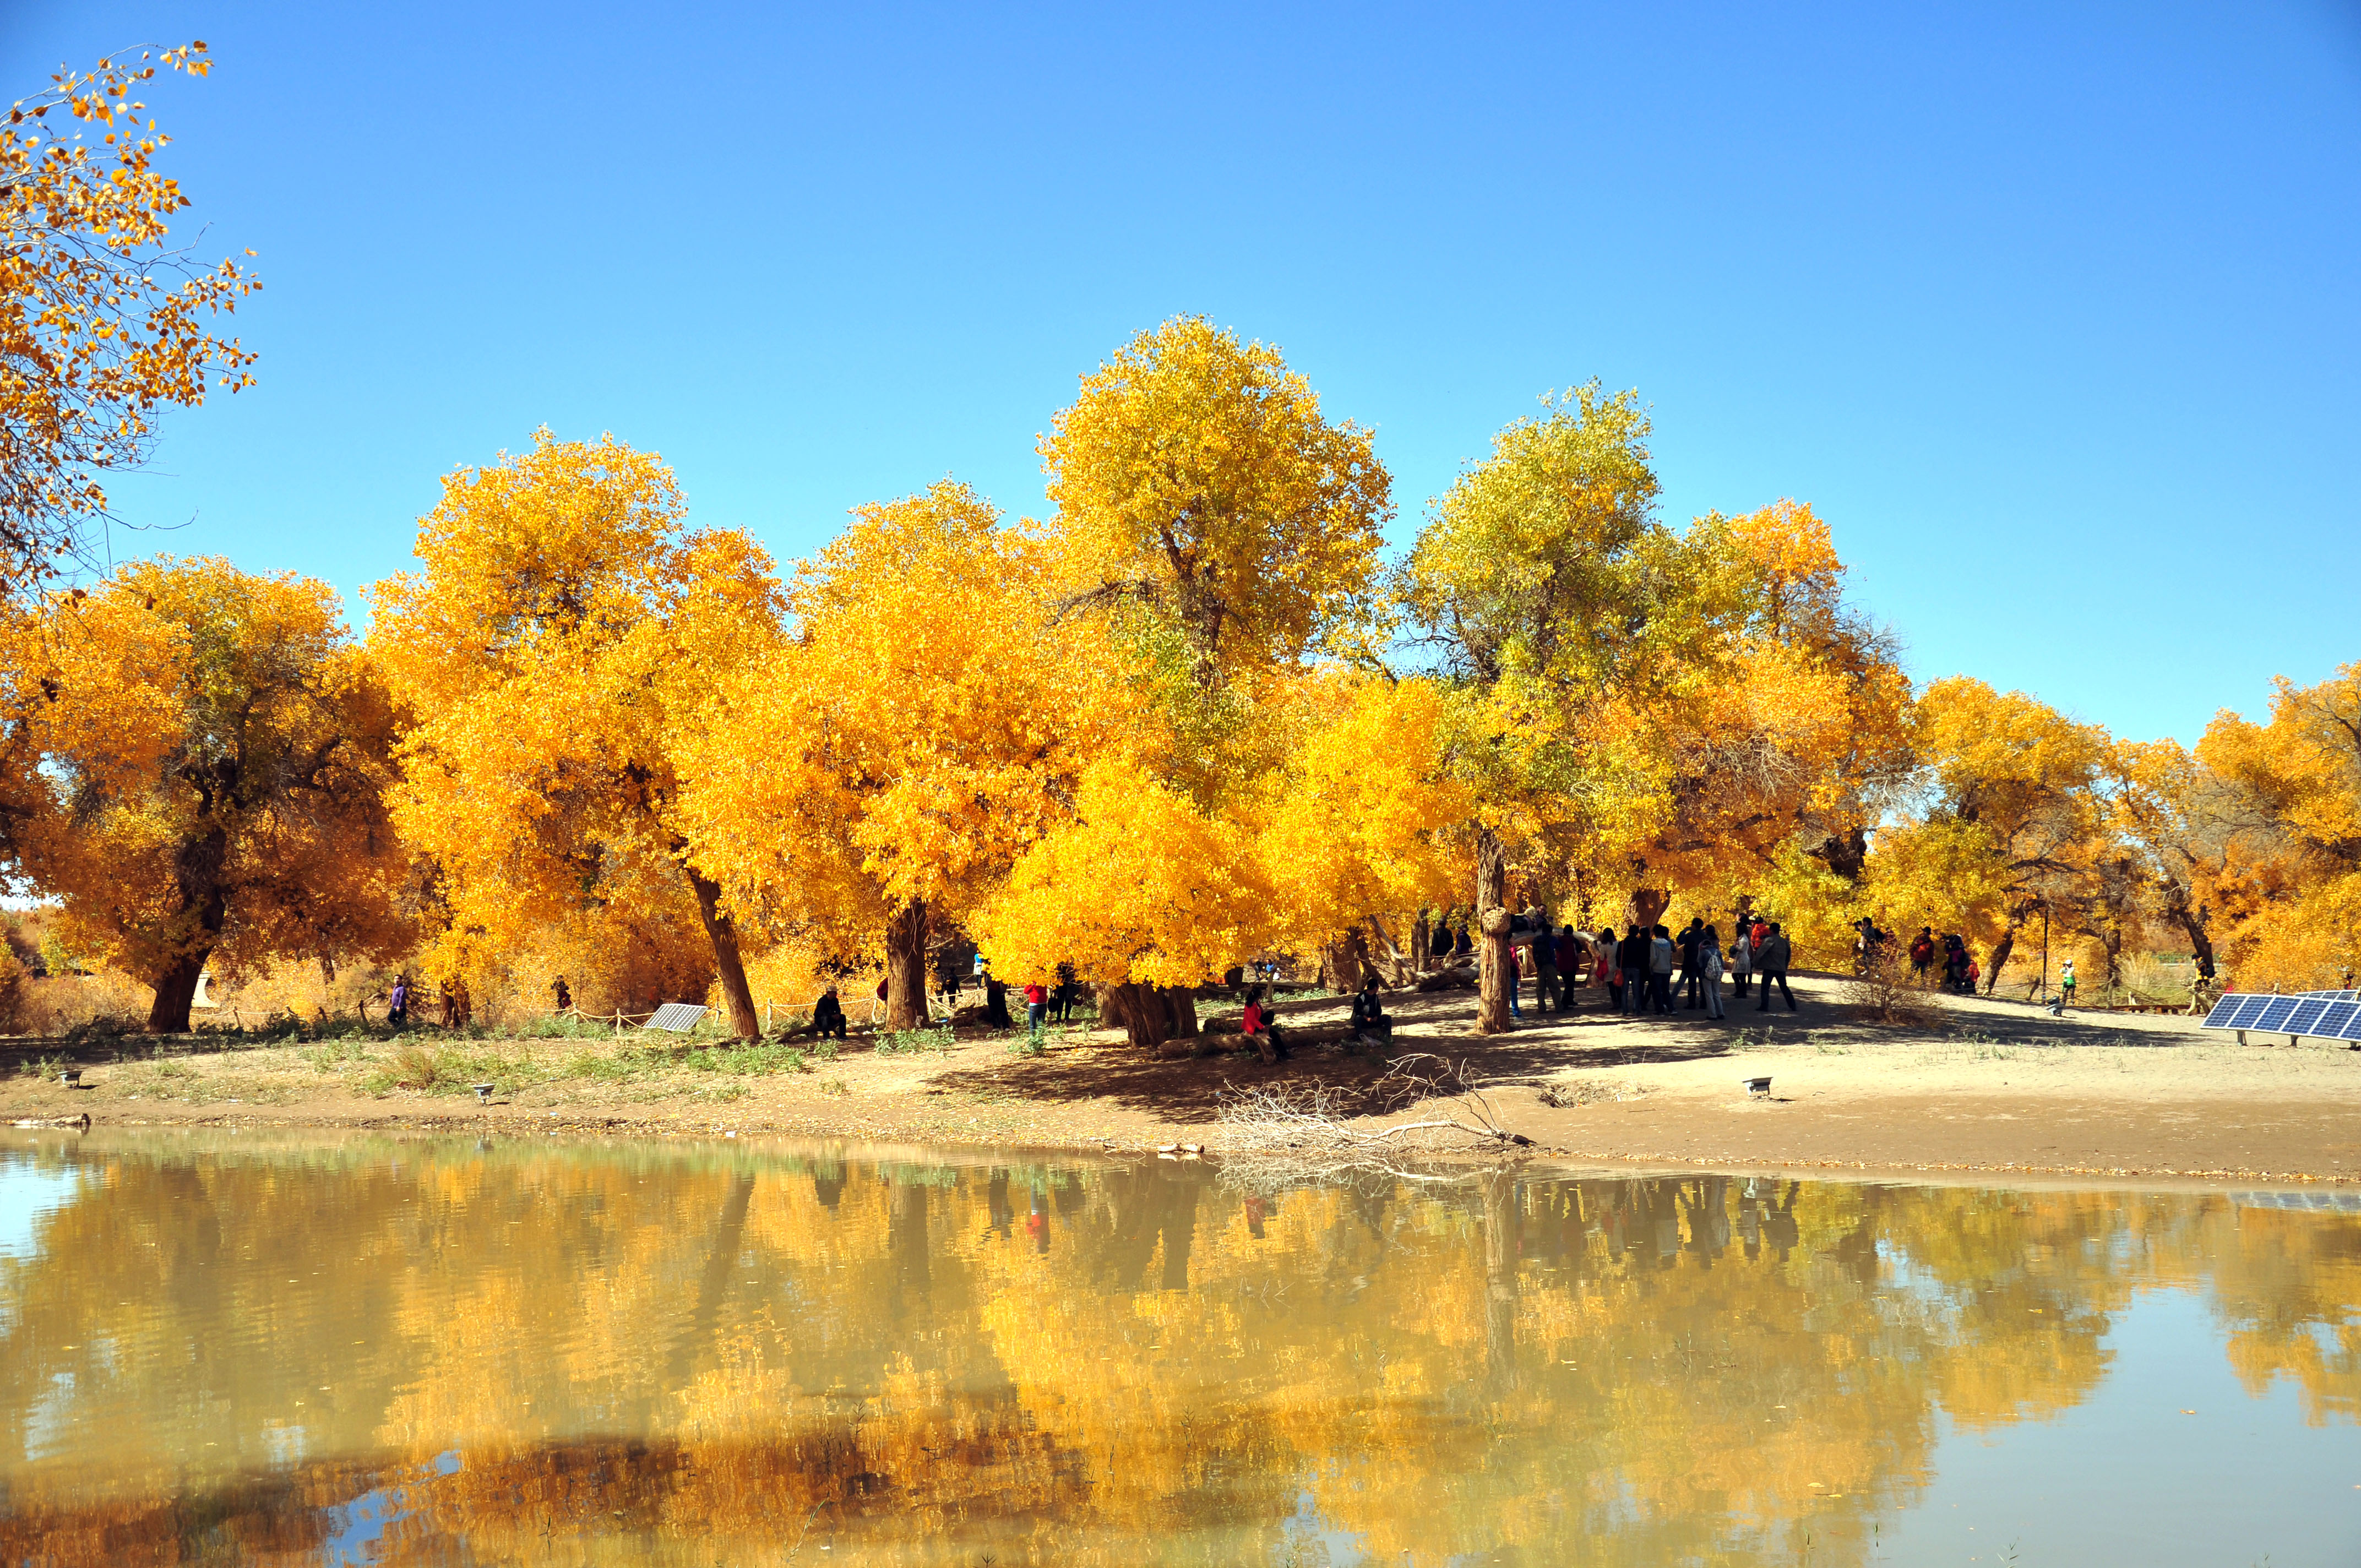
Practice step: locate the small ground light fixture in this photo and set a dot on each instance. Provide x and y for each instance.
(483, 1094)
(70, 1076)
(1757, 1085)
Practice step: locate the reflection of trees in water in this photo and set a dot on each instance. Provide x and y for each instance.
(638, 1355)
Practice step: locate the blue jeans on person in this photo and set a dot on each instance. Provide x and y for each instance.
(1034, 1013)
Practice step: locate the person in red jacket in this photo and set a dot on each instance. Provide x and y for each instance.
(1257, 1027)
(1037, 1004)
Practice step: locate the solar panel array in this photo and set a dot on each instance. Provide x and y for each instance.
(679, 1017)
(2318, 1014)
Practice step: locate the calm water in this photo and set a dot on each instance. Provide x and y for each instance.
(227, 1349)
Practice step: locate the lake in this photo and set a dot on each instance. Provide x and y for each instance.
(226, 1347)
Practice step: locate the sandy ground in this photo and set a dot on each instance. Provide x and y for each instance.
(1989, 1087)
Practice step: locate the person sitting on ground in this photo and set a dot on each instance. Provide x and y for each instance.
(828, 1015)
(1256, 1025)
(1369, 1019)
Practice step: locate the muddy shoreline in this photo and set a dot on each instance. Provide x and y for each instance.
(1992, 1090)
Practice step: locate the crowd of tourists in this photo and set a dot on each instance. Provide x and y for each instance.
(1650, 969)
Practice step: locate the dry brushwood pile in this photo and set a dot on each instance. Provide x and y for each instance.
(1289, 1131)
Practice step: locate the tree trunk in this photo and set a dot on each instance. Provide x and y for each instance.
(1495, 960)
(2000, 959)
(1341, 964)
(196, 874)
(1157, 1017)
(1648, 906)
(1422, 946)
(176, 988)
(906, 968)
(722, 932)
(2200, 945)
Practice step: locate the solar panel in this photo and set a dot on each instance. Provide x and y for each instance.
(2331, 995)
(2307, 1013)
(679, 1017)
(2220, 1017)
(2346, 1026)
(2275, 1015)
(2249, 1010)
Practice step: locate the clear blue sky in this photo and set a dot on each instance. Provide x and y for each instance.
(2053, 310)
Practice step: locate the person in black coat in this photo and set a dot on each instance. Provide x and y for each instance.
(1369, 1019)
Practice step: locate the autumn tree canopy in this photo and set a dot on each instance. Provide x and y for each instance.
(562, 635)
(194, 762)
(103, 320)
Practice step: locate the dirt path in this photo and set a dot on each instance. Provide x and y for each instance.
(1995, 1087)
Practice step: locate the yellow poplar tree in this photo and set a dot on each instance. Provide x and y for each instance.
(564, 630)
(1220, 531)
(2281, 820)
(877, 776)
(2015, 823)
(194, 762)
(102, 322)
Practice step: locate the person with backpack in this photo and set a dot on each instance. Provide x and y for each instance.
(1772, 964)
(1660, 955)
(1709, 968)
(1922, 953)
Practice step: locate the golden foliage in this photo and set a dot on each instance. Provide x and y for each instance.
(100, 321)
(195, 759)
(562, 638)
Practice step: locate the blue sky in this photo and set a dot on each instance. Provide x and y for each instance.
(2053, 310)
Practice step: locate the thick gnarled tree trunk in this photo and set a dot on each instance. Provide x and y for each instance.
(906, 968)
(722, 932)
(197, 869)
(1342, 962)
(1495, 958)
(1162, 1018)
(176, 990)
(1648, 906)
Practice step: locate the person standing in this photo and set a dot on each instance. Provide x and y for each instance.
(1922, 953)
(1609, 967)
(397, 1013)
(1062, 999)
(1547, 995)
(2066, 984)
(1772, 964)
(1570, 950)
(1633, 957)
(1741, 955)
(1709, 967)
(1660, 953)
(1688, 945)
(1037, 1006)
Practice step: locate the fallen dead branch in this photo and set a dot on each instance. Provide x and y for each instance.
(1281, 1131)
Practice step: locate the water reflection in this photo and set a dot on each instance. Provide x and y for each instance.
(400, 1352)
